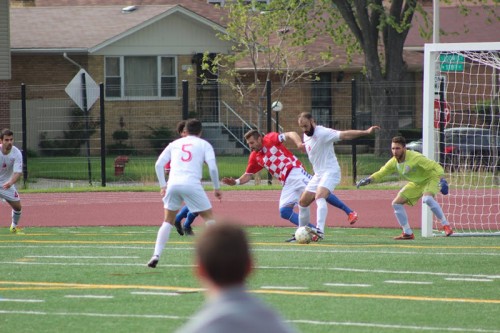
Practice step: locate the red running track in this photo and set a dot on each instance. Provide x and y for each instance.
(252, 208)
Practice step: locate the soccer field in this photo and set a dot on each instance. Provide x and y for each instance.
(95, 279)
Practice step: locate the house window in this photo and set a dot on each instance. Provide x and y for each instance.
(132, 77)
(322, 99)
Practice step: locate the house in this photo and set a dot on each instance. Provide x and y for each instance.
(104, 38)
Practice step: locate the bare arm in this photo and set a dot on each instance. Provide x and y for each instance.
(15, 177)
(353, 134)
(295, 138)
(244, 178)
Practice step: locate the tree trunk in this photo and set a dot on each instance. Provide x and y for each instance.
(385, 115)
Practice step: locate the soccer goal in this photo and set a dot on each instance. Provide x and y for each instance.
(461, 120)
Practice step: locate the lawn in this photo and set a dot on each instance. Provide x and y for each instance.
(357, 280)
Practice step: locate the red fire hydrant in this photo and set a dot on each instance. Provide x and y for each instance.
(120, 162)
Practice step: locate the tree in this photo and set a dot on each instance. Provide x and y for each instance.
(272, 41)
(381, 28)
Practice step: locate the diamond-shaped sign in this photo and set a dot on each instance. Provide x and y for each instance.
(75, 90)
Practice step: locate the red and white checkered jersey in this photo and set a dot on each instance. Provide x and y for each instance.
(273, 156)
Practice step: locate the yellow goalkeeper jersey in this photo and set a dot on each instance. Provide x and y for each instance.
(416, 168)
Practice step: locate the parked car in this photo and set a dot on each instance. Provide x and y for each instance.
(466, 146)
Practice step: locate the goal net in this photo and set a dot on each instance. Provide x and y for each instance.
(461, 130)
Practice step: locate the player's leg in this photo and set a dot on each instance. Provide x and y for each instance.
(182, 214)
(172, 201)
(431, 188)
(408, 191)
(162, 237)
(12, 198)
(326, 184)
(197, 201)
(333, 200)
(187, 223)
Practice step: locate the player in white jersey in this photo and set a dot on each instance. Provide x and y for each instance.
(318, 144)
(11, 170)
(186, 156)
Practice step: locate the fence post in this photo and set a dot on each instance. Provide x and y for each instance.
(103, 135)
(353, 126)
(185, 99)
(269, 119)
(25, 135)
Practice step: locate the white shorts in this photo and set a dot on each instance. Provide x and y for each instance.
(295, 184)
(10, 194)
(328, 180)
(194, 197)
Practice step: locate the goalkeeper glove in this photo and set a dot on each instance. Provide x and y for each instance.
(363, 182)
(443, 186)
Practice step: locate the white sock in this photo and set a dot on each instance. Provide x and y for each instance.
(400, 212)
(321, 212)
(304, 216)
(162, 238)
(16, 215)
(435, 208)
(209, 222)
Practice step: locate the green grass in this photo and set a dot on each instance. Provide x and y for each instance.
(141, 168)
(357, 280)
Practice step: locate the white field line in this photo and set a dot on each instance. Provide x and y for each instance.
(88, 296)
(407, 282)
(347, 285)
(154, 293)
(309, 322)
(284, 287)
(288, 249)
(85, 257)
(395, 327)
(343, 269)
(21, 300)
(468, 279)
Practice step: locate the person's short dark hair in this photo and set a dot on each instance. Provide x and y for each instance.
(399, 140)
(224, 252)
(6, 132)
(180, 126)
(193, 126)
(253, 133)
(306, 115)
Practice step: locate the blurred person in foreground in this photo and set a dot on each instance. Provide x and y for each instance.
(11, 170)
(223, 263)
(425, 179)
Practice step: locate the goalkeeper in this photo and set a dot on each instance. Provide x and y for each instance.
(425, 179)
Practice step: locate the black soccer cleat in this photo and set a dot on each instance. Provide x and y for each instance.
(189, 231)
(153, 261)
(179, 229)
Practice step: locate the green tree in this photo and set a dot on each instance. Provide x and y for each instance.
(272, 41)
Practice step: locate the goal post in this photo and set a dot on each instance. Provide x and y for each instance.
(461, 130)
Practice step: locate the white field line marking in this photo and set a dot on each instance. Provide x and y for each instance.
(315, 250)
(310, 322)
(343, 269)
(407, 282)
(21, 300)
(397, 327)
(346, 285)
(88, 314)
(284, 287)
(154, 293)
(88, 296)
(86, 257)
(468, 279)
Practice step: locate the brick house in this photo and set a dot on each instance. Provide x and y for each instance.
(102, 38)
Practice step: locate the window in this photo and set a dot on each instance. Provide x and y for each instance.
(132, 77)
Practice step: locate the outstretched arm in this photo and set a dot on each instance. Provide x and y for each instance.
(295, 137)
(244, 178)
(353, 134)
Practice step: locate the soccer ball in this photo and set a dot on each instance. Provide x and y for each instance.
(303, 236)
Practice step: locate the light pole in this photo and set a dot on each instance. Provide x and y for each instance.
(277, 107)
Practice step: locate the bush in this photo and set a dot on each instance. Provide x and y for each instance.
(160, 137)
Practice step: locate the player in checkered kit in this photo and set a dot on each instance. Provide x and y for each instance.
(269, 152)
